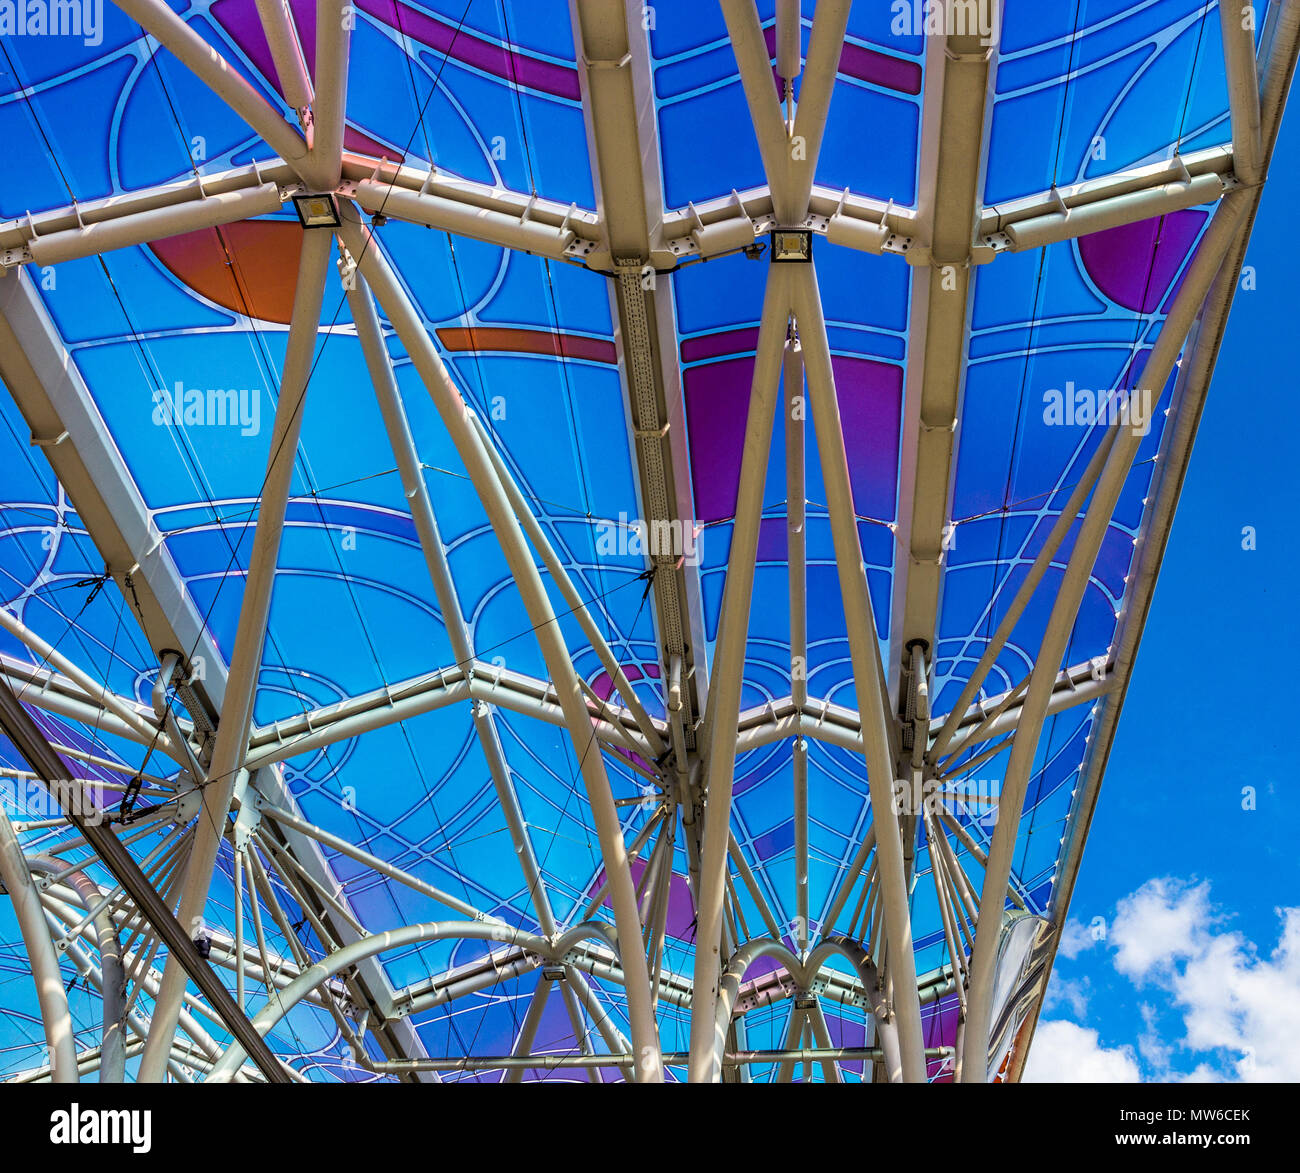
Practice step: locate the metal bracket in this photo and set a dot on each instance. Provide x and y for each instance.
(249, 820)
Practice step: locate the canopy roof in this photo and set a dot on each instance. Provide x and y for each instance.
(1011, 235)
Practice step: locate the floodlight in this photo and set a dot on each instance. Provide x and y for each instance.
(791, 246)
(317, 211)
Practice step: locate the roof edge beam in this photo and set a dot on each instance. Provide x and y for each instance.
(1160, 363)
(1278, 52)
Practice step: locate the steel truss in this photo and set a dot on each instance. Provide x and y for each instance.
(690, 756)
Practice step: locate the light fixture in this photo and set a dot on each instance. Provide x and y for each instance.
(316, 211)
(791, 246)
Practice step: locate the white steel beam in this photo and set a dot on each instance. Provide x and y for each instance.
(797, 557)
(789, 41)
(45, 689)
(1237, 19)
(528, 1032)
(454, 414)
(623, 144)
(1279, 47)
(477, 210)
(52, 998)
(1056, 226)
(790, 157)
(59, 409)
(868, 677)
(957, 105)
(411, 472)
(125, 712)
(1107, 201)
(154, 909)
(232, 732)
(286, 52)
(645, 724)
(206, 211)
(610, 80)
(1160, 362)
(54, 399)
(729, 666)
(372, 946)
(171, 31)
(749, 45)
(543, 227)
(1080, 684)
(334, 20)
(405, 699)
(1061, 527)
(825, 45)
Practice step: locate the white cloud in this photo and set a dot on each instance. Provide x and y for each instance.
(1075, 939)
(1156, 1051)
(1064, 1052)
(1238, 1005)
(1243, 1004)
(1067, 992)
(1163, 920)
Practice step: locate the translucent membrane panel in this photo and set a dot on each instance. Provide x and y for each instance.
(839, 815)
(105, 111)
(1058, 353)
(1090, 87)
(719, 305)
(489, 91)
(705, 124)
(52, 578)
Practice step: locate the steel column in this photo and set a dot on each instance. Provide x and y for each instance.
(232, 733)
(286, 52)
(409, 468)
(959, 79)
(825, 44)
(541, 543)
(60, 1043)
(113, 976)
(455, 417)
(864, 645)
(334, 20)
(728, 674)
(623, 144)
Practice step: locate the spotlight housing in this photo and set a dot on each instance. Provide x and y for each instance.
(791, 246)
(316, 210)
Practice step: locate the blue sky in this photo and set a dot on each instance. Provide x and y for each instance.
(1190, 887)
